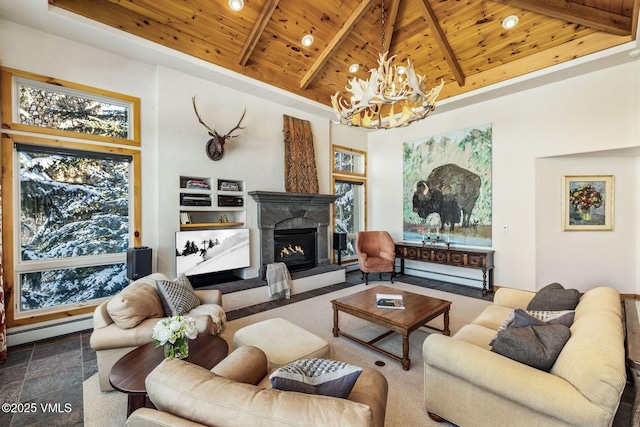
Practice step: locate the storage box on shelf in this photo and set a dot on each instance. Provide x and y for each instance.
(203, 206)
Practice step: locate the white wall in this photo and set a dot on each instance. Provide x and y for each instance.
(256, 156)
(586, 259)
(596, 111)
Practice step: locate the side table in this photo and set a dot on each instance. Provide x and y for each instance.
(632, 321)
(129, 373)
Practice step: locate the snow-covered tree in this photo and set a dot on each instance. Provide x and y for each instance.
(71, 206)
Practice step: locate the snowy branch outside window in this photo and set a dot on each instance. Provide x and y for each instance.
(71, 206)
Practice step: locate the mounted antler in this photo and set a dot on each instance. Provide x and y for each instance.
(215, 146)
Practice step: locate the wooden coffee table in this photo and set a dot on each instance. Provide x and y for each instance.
(129, 373)
(419, 309)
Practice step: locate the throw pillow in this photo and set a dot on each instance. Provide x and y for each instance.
(560, 317)
(554, 297)
(536, 346)
(316, 376)
(177, 296)
(519, 318)
(133, 304)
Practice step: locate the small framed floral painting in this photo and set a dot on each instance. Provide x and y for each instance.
(587, 203)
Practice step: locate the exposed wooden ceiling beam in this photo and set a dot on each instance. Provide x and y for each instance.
(444, 45)
(578, 13)
(258, 28)
(335, 43)
(390, 20)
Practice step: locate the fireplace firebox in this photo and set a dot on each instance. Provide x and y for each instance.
(296, 248)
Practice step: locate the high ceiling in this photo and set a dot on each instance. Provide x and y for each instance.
(460, 41)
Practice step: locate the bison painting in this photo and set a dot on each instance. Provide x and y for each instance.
(450, 191)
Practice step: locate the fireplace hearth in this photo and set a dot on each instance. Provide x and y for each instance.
(279, 213)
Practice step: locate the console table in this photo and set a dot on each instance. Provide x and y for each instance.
(479, 259)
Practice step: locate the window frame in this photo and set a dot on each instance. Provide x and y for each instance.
(353, 151)
(10, 219)
(8, 81)
(358, 178)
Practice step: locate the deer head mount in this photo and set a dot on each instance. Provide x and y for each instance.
(215, 146)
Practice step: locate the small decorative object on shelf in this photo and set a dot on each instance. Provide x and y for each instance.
(185, 218)
(389, 301)
(174, 333)
(197, 184)
(229, 186)
(223, 219)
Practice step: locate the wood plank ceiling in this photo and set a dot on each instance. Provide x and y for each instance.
(460, 41)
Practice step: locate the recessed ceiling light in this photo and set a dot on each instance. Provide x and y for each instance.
(510, 22)
(307, 40)
(353, 68)
(236, 5)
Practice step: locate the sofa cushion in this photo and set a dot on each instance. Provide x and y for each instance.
(316, 376)
(133, 304)
(177, 296)
(536, 346)
(208, 399)
(554, 297)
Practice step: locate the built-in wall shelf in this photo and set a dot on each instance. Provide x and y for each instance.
(211, 224)
(207, 202)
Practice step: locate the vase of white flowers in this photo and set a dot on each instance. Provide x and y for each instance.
(174, 333)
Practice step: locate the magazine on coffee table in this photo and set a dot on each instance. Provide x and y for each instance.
(393, 301)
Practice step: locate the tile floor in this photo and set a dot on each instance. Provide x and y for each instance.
(46, 376)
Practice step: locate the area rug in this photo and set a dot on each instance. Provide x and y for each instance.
(405, 400)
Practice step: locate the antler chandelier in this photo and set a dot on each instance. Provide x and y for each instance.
(373, 102)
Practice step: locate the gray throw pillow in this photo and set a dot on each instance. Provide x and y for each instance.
(316, 376)
(177, 296)
(541, 318)
(554, 297)
(536, 346)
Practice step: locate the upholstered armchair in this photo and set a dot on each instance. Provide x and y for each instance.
(126, 321)
(376, 253)
(238, 392)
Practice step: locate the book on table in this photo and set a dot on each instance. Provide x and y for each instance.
(393, 301)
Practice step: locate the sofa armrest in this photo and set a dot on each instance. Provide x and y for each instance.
(112, 336)
(372, 389)
(541, 391)
(514, 298)
(146, 417)
(246, 364)
(101, 318)
(209, 296)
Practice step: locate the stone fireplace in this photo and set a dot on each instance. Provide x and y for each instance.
(287, 218)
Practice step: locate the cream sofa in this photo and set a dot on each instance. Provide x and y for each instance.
(237, 392)
(125, 321)
(469, 385)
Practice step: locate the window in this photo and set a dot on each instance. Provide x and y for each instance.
(74, 215)
(349, 182)
(70, 209)
(46, 105)
(73, 205)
